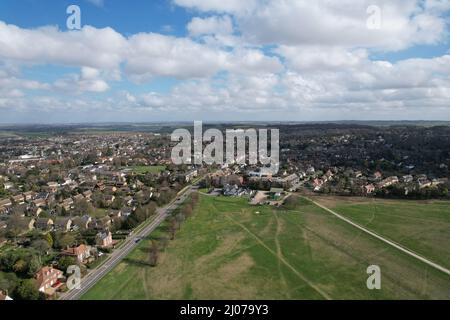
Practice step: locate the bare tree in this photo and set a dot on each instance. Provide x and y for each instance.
(153, 254)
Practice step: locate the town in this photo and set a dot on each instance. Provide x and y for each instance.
(72, 197)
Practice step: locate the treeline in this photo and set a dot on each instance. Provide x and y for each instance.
(173, 224)
(398, 192)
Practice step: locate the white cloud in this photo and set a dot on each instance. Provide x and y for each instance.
(314, 58)
(88, 81)
(97, 48)
(277, 58)
(152, 54)
(404, 23)
(210, 26)
(230, 6)
(98, 3)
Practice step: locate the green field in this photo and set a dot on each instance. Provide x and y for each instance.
(231, 250)
(421, 226)
(147, 169)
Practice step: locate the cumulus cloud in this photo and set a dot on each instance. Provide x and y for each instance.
(210, 25)
(230, 6)
(88, 81)
(256, 57)
(92, 47)
(336, 23)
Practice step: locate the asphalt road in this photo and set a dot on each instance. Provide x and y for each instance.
(129, 245)
(389, 242)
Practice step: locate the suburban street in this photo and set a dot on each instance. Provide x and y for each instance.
(129, 245)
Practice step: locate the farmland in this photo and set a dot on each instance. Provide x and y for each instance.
(231, 250)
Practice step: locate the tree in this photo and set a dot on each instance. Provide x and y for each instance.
(195, 198)
(63, 240)
(16, 225)
(20, 266)
(34, 265)
(187, 210)
(173, 227)
(65, 262)
(41, 245)
(7, 261)
(9, 281)
(48, 237)
(153, 254)
(27, 290)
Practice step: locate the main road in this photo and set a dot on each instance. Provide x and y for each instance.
(128, 245)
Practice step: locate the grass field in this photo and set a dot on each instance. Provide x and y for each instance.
(230, 250)
(422, 226)
(147, 169)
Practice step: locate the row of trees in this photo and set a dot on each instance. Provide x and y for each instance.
(174, 225)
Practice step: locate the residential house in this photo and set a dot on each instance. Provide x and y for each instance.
(39, 203)
(63, 224)
(317, 184)
(290, 180)
(115, 214)
(78, 198)
(48, 280)
(53, 186)
(67, 204)
(30, 223)
(436, 182)
(28, 196)
(126, 212)
(377, 175)
(109, 199)
(104, 223)
(191, 175)
(423, 182)
(8, 185)
(100, 223)
(408, 178)
(358, 174)
(44, 224)
(81, 253)
(104, 239)
(388, 182)
(369, 189)
(128, 200)
(4, 296)
(82, 222)
(18, 199)
(5, 203)
(87, 194)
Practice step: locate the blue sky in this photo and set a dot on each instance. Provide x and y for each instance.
(171, 60)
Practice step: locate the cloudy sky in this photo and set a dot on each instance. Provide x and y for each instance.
(171, 60)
